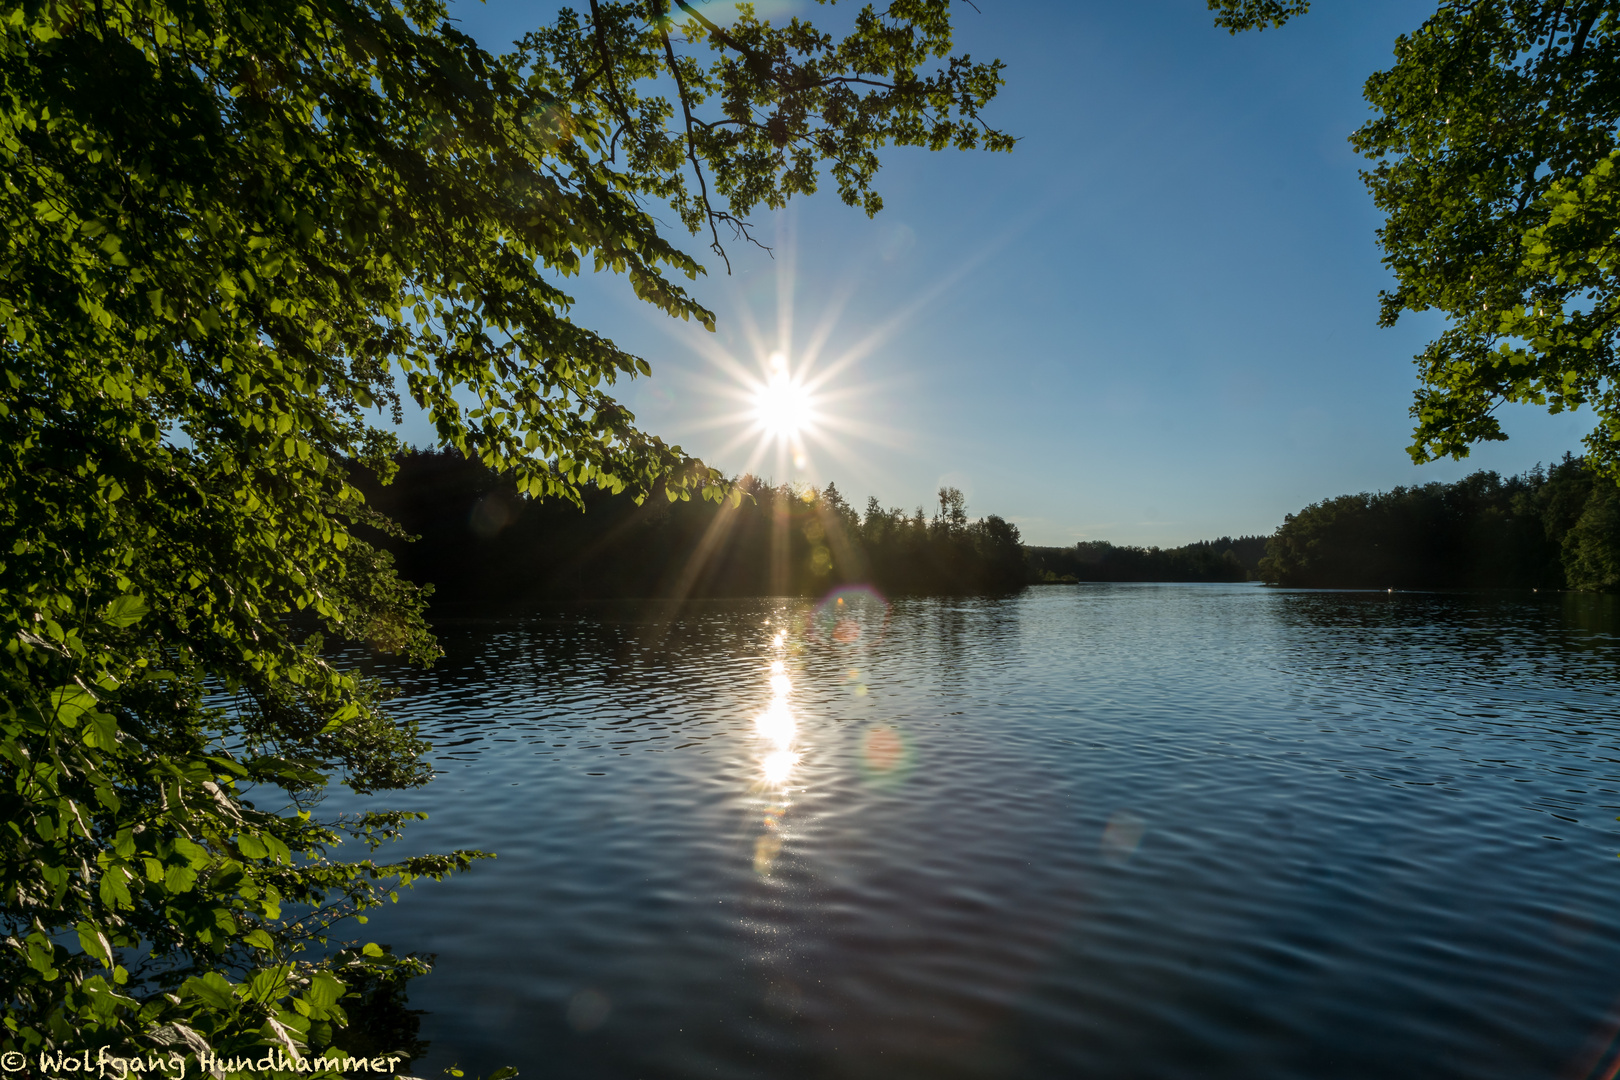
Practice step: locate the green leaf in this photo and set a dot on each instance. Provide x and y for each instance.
(212, 989)
(41, 956)
(69, 703)
(101, 730)
(323, 990)
(125, 611)
(95, 943)
(179, 879)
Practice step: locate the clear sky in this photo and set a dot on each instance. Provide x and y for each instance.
(1154, 322)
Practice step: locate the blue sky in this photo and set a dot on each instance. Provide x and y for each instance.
(1153, 322)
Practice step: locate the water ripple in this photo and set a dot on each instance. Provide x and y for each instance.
(1101, 831)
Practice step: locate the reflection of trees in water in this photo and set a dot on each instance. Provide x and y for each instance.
(949, 628)
(1490, 627)
(1597, 616)
(1449, 656)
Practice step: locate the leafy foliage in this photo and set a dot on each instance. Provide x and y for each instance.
(1224, 559)
(1495, 149)
(1236, 15)
(481, 543)
(784, 102)
(225, 230)
(1547, 529)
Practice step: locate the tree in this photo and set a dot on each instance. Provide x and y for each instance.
(1549, 528)
(1496, 148)
(951, 518)
(224, 229)
(1592, 546)
(1495, 153)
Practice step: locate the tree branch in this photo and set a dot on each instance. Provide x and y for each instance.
(691, 146)
(607, 63)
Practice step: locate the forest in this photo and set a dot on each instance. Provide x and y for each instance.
(1547, 529)
(1226, 559)
(478, 541)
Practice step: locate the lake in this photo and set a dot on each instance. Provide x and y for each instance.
(1086, 831)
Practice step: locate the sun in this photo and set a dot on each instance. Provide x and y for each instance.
(784, 408)
(785, 397)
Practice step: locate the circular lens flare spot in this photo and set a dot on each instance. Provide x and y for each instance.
(884, 750)
(850, 614)
(886, 757)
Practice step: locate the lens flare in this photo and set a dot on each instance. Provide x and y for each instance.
(852, 614)
(886, 755)
(1122, 836)
(883, 750)
(766, 849)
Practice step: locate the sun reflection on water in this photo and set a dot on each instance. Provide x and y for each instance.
(778, 766)
(777, 727)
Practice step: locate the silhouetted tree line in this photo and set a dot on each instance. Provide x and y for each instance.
(1226, 559)
(1552, 528)
(479, 541)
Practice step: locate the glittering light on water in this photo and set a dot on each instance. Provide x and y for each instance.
(777, 725)
(778, 766)
(766, 849)
(779, 729)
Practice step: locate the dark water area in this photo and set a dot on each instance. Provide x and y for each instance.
(1088, 831)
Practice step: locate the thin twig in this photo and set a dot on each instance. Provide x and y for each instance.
(607, 63)
(714, 31)
(585, 79)
(691, 145)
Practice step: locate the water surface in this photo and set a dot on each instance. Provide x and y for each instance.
(1089, 831)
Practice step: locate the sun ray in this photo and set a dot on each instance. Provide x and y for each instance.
(781, 399)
